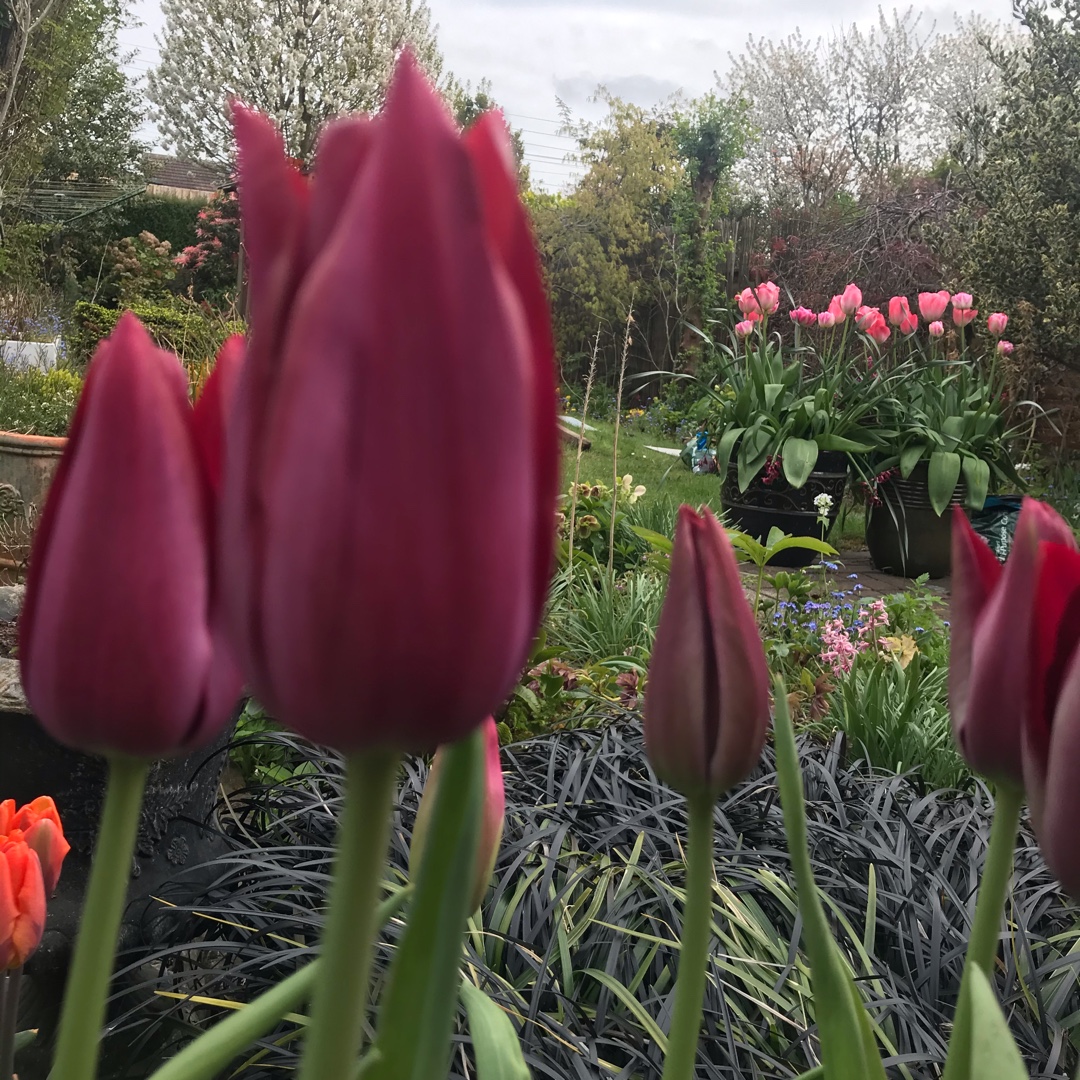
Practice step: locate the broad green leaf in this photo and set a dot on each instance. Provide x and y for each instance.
(943, 474)
(751, 548)
(910, 456)
(776, 534)
(772, 392)
(655, 540)
(839, 442)
(725, 446)
(806, 543)
(799, 457)
(952, 427)
(495, 1043)
(977, 477)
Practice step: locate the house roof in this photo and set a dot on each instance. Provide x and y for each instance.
(165, 170)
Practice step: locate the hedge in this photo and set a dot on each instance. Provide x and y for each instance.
(191, 335)
(167, 218)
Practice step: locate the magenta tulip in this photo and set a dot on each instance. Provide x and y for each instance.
(707, 697)
(851, 299)
(932, 306)
(138, 669)
(803, 317)
(768, 297)
(997, 322)
(1051, 743)
(991, 619)
(216, 400)
(388, 528)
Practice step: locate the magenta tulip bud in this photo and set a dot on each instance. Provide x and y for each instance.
(932, 306)
(803, 317)
(768, 297)
(1051, 742)
(936, 329)
(1005, 348)
(997, 322)
(213, 408)
(991, 617)
(851, 299)
(141, 672)
(707, 696)
(491, 822)
(385, 556)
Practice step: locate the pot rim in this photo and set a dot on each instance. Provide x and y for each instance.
(34, 442)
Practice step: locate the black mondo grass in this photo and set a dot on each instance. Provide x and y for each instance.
(577, 939)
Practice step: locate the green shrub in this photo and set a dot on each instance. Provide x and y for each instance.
(22, 256)
(34, 402)
(186, 331)
(167, 218)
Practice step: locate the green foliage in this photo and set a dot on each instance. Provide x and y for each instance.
(1018, 233)
(212, 260)
(137, 269)
(35, 402)
(22, 256)
(194, 336)
(590, 505)
(167, 218)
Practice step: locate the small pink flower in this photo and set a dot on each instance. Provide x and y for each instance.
(962, 315)
(932, 305)
(745, 328)
(1005, 348)
(826, 320)
(936, 329)
(768, 297)
(803, 317)
(747, 301)
(962, 300)
(898, 310)
(851, 299)
(997, 322)
(837, 311)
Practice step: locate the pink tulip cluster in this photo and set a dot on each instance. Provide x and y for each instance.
(1014, 676)
(291, 531)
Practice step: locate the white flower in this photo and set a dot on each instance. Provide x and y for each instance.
(823, 503)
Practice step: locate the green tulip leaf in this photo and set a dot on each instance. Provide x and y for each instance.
(910, 456)
(746, 546)
(952, 427)
(993, 1052)
(838, 442)
(726, 445)
(495, 1043)
(805, 543)
(977, 478)
(657, 541)
(799, 457)
(943, 474)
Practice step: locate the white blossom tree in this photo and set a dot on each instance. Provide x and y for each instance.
(299, 61)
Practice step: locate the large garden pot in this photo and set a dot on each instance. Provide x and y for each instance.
(763, 506)
(27, 466)
(903, 533)
(174, 834)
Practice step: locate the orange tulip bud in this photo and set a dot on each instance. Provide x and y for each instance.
(40, 825)
(22, 903)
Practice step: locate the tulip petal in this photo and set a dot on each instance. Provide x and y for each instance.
(129, 501)
(343, 146)
(416, 303)
(212, 411)
(510, 232)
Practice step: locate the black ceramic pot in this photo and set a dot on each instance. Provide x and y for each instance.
(174, 833)
(903, 533)
(763, 506)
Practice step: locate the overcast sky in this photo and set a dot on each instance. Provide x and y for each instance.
(537, 52)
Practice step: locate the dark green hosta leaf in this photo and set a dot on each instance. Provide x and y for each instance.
(910, 456)
(977, 478)
(799, 457)
(943, 474)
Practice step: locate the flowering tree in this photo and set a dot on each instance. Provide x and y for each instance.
(299, 61)
(212, 260)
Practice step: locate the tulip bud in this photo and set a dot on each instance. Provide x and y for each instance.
(851, 299)
(997, 322)
(745, 328)
(491, 823)
(962, 300)
(768, 297)
(826, 320)
(131, 499)
(1005, 348)
(932, 306)
(803, 317)
(39, 824)
(343, 562)
(22, 904)
(936, 329)
(865, 315)
(836, 310)
(909, 323)
(747, 302)
(878, 329)
(707, 696)
(210, 418)
(898, 310)
(963, 316)
(1051, 736)
(990, 618)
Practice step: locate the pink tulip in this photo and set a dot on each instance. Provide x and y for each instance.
(997, 322)
(214, 406)
(346, 562)
(991, 618)
(745, 328)
(851, 299)
(707, 697)
(768, 297)
(909, 323)
(803, 317)
(962, 300)
(837, 311)
(1005, 348)
(865, 315)
(491, 822)
(146, 673)
(963, 316)
(932, 306)
(899, 310)
(748, 302)
(1051, 735)
(826, 320)
(878, 329)
(936, 329)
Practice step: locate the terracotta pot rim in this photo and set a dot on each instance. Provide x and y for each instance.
(39, 442)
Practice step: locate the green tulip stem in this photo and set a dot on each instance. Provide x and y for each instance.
(986, 926)
(9, 1021)
(694, 950)
(340, 994)
(86, 993)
